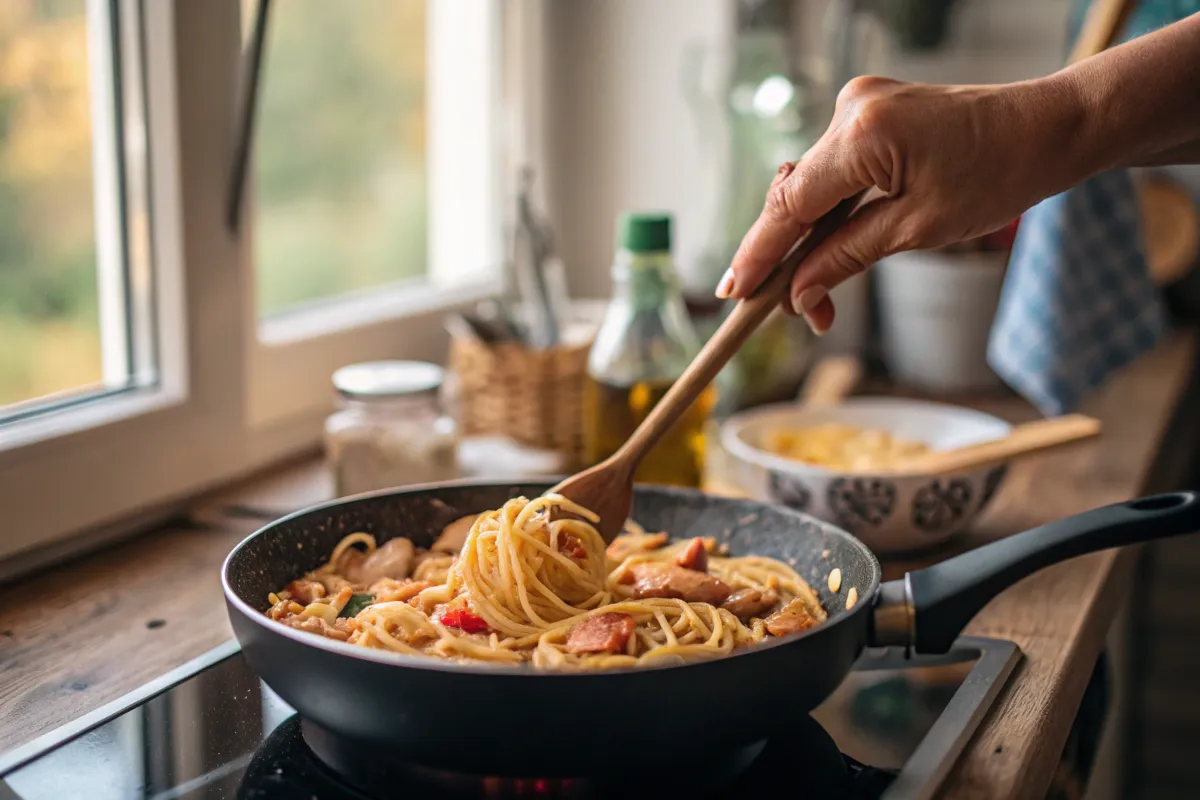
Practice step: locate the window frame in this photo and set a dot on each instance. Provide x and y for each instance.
(224, 404)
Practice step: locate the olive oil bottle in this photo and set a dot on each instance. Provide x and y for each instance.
(644, 344)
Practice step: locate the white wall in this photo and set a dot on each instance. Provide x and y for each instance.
(620, 135)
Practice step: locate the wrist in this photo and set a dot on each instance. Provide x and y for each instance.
(1065, 148)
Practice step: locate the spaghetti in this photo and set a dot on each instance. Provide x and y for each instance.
(524, 588)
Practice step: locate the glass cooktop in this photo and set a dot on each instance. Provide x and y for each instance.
(212, 731)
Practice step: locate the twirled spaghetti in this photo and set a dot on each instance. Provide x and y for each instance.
(523, 588)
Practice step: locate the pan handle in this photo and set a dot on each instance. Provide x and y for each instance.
(929, 608)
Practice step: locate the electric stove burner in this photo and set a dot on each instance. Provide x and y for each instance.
(301, 759)
(212, 729)
(374, 770)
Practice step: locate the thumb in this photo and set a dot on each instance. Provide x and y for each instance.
(874, 232)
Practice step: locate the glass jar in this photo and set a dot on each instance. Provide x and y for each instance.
(390, 428)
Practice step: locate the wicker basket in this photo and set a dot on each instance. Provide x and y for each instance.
(532, 396)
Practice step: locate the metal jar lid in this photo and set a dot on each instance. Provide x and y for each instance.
(385, 380)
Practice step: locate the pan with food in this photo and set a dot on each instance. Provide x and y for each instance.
(507, 644)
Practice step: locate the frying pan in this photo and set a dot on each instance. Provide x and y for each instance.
(516, 721)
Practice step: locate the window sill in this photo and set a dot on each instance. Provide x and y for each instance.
(86, 415)
(370, 307)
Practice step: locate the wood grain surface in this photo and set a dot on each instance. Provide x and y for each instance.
(87, 632)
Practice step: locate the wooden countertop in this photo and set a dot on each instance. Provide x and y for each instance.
(77, 637)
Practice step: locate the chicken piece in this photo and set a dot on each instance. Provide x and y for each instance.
(656, 579)
(387, 590)
(603, 633)
(348, 565)
(284, 608)
(339, 630)
(694, 556)
(747, 603)
(303, 591)
(454, 535)
(392, 559)
(791, 618)
(332, 583)
(628, 544)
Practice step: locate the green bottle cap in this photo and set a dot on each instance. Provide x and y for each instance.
(644, 233)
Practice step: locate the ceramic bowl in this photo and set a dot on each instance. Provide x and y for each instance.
(890, 512)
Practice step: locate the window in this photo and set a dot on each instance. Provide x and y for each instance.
(148, 351)
(377, 191)
(340, 169)
(75, 278)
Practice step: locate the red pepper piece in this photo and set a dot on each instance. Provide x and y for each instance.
(465, 620)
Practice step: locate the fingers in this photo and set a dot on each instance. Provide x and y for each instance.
(875, 231)
(820, 318)
(796, 199)
(726, 287)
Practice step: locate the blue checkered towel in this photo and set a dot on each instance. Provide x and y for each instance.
(1078, 302)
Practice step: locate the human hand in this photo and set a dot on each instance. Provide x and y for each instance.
(946, 163)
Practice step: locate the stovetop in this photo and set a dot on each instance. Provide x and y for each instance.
(211, 730)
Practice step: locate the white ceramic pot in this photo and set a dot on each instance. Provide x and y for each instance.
(852, 322)
(936, 311)
(889, 512)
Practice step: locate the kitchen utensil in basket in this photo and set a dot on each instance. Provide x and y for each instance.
(534, 396)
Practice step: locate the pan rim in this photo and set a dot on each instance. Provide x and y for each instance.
(866, 599)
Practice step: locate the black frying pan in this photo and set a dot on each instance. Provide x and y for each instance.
(520, 722)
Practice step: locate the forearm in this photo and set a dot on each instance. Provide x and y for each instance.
(1139, 102)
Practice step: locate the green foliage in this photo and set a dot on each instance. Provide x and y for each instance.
(339, 173)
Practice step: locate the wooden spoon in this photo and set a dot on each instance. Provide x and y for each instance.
(607, 488)
(1031, 437)
(831, 380)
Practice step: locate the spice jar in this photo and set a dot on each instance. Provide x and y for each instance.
(390, 428)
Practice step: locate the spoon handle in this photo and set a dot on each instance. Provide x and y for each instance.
(1031, 437)
(831, 380)
(737, 327)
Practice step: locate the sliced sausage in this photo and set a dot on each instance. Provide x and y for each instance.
(603, 633)
(657, 579)
(454, 535)
(694, 556)
(627, 544)
(392, 559)
(747, 603)
(789, 619)
(571, 547)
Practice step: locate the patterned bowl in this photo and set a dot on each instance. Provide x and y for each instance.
(889, 511)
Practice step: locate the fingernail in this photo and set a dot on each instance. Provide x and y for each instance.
(726, 284)
(817, 329)
(807, 299)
